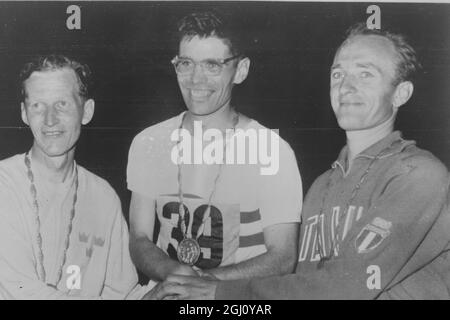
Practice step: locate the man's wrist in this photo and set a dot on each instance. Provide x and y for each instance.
(210, 274)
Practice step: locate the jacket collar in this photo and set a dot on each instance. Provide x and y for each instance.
(394, 140)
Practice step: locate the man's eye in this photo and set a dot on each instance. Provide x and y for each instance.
(212, 65)
(37, 106)
(185, 63)
(62, 104)
(366, 74)
(336, 75)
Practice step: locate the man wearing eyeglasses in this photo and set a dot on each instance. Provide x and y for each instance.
(219, 220)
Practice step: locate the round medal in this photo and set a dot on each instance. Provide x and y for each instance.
(188, 251)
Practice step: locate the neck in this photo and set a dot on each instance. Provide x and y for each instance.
(360, 140)
(222, 119)
(57, 169)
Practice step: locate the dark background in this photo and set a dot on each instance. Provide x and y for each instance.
(128, 48)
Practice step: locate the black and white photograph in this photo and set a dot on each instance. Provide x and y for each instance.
(224, 150)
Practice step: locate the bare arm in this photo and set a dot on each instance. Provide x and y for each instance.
(281, 256)
(148, 258)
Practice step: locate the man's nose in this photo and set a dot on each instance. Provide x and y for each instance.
(198, 75)
(51, 116)
(348, 84)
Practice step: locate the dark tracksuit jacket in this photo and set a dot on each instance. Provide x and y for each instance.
(393, 238)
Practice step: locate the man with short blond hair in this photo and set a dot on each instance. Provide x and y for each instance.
(62, 233)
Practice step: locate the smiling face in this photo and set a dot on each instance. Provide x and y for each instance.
(205, 94)
(362, 90)
(54, 111)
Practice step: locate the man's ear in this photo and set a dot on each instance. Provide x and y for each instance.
(242, 70)
(403, 92)
(88, 111)
(23, 113)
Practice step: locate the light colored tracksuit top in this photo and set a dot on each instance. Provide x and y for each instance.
(392, 237)
(98, 247)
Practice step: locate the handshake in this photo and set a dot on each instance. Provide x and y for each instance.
(185, 283)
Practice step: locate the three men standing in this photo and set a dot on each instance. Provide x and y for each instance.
(374, 226)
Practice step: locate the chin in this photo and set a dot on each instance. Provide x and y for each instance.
(201, 111)
(350, 125)
(55, 154)
(55, 151)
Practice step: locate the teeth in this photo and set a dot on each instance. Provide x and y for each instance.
(199, 93)
(56, 133)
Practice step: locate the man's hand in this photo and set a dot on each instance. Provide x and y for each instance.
(184, 288)
(159, 292)
(185, 270)
(207, 275)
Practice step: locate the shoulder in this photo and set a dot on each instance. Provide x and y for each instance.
(411, 175)
(158, 132)
(11, 162)
(10, 168)
(14, 189)
(421, 164)
(97, 187)
(320, 182)
(100, 206)
(264, 132)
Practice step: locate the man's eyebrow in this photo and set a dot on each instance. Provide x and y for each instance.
(360, 65)
(204, 60)
(335, 66)
(369, 65)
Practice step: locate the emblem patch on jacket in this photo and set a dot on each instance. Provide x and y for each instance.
(372, 235)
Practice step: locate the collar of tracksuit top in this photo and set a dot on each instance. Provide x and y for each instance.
(394, 140)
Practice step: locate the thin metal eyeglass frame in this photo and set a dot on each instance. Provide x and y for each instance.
(222, 62)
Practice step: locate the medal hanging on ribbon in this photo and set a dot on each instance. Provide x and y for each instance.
(188, 250)
(38, 236)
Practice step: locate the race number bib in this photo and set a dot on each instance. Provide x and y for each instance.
(220, 239)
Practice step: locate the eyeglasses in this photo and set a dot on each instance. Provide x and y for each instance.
(210, 67)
